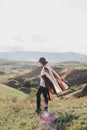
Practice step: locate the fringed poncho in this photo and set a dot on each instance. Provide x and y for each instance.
(53, 82)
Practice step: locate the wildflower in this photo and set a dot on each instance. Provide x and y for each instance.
(48, 119)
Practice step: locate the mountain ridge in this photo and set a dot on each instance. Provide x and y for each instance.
(50, 56)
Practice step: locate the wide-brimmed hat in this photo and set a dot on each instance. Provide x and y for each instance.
(42, 60)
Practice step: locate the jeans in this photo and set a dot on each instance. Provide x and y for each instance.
(44, 91)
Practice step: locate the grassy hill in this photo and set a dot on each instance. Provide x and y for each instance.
(17, 111)
(75, 75)
(8, 93)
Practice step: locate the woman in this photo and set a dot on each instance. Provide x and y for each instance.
(50, 83)
(42, 89)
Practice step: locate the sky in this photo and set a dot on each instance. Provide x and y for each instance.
(43, 25)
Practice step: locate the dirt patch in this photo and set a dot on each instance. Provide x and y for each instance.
(82, 93)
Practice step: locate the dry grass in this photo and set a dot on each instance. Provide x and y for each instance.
(17, 110)
(17, 114)
(71, 112)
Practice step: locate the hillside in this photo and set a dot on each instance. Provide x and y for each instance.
(76, 75)
(71, 112)
(17, 108)
(8, 93)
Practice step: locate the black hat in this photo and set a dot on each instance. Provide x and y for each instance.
(42, 60)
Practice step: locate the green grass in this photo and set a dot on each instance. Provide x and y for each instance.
(2, 73)
(17, 110)
(20, 114)
(72, 113)
(7, 92)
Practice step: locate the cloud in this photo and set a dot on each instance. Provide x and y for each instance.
(18, 39)
(39, 38)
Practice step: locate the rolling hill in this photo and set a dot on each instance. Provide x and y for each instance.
(7, 93)
(17, 109)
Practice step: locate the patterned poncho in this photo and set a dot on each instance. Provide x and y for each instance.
(53, 82)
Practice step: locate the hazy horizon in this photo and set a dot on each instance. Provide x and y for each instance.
(42, 52)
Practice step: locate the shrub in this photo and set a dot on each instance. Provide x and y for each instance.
(1, 73)
(28, 82)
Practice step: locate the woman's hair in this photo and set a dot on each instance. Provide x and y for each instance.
(43, 61)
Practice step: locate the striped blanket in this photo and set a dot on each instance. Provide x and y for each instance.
(53, 82)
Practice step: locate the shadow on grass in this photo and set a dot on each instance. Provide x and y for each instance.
(82, 93)
(63, 122)
(26, 90)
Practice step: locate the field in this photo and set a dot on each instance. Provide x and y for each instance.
(17, 111)
(17, 108)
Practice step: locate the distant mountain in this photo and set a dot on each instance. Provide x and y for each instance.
(50, 56)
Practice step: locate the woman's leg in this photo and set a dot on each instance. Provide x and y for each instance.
(40, 90)
(45, 94)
